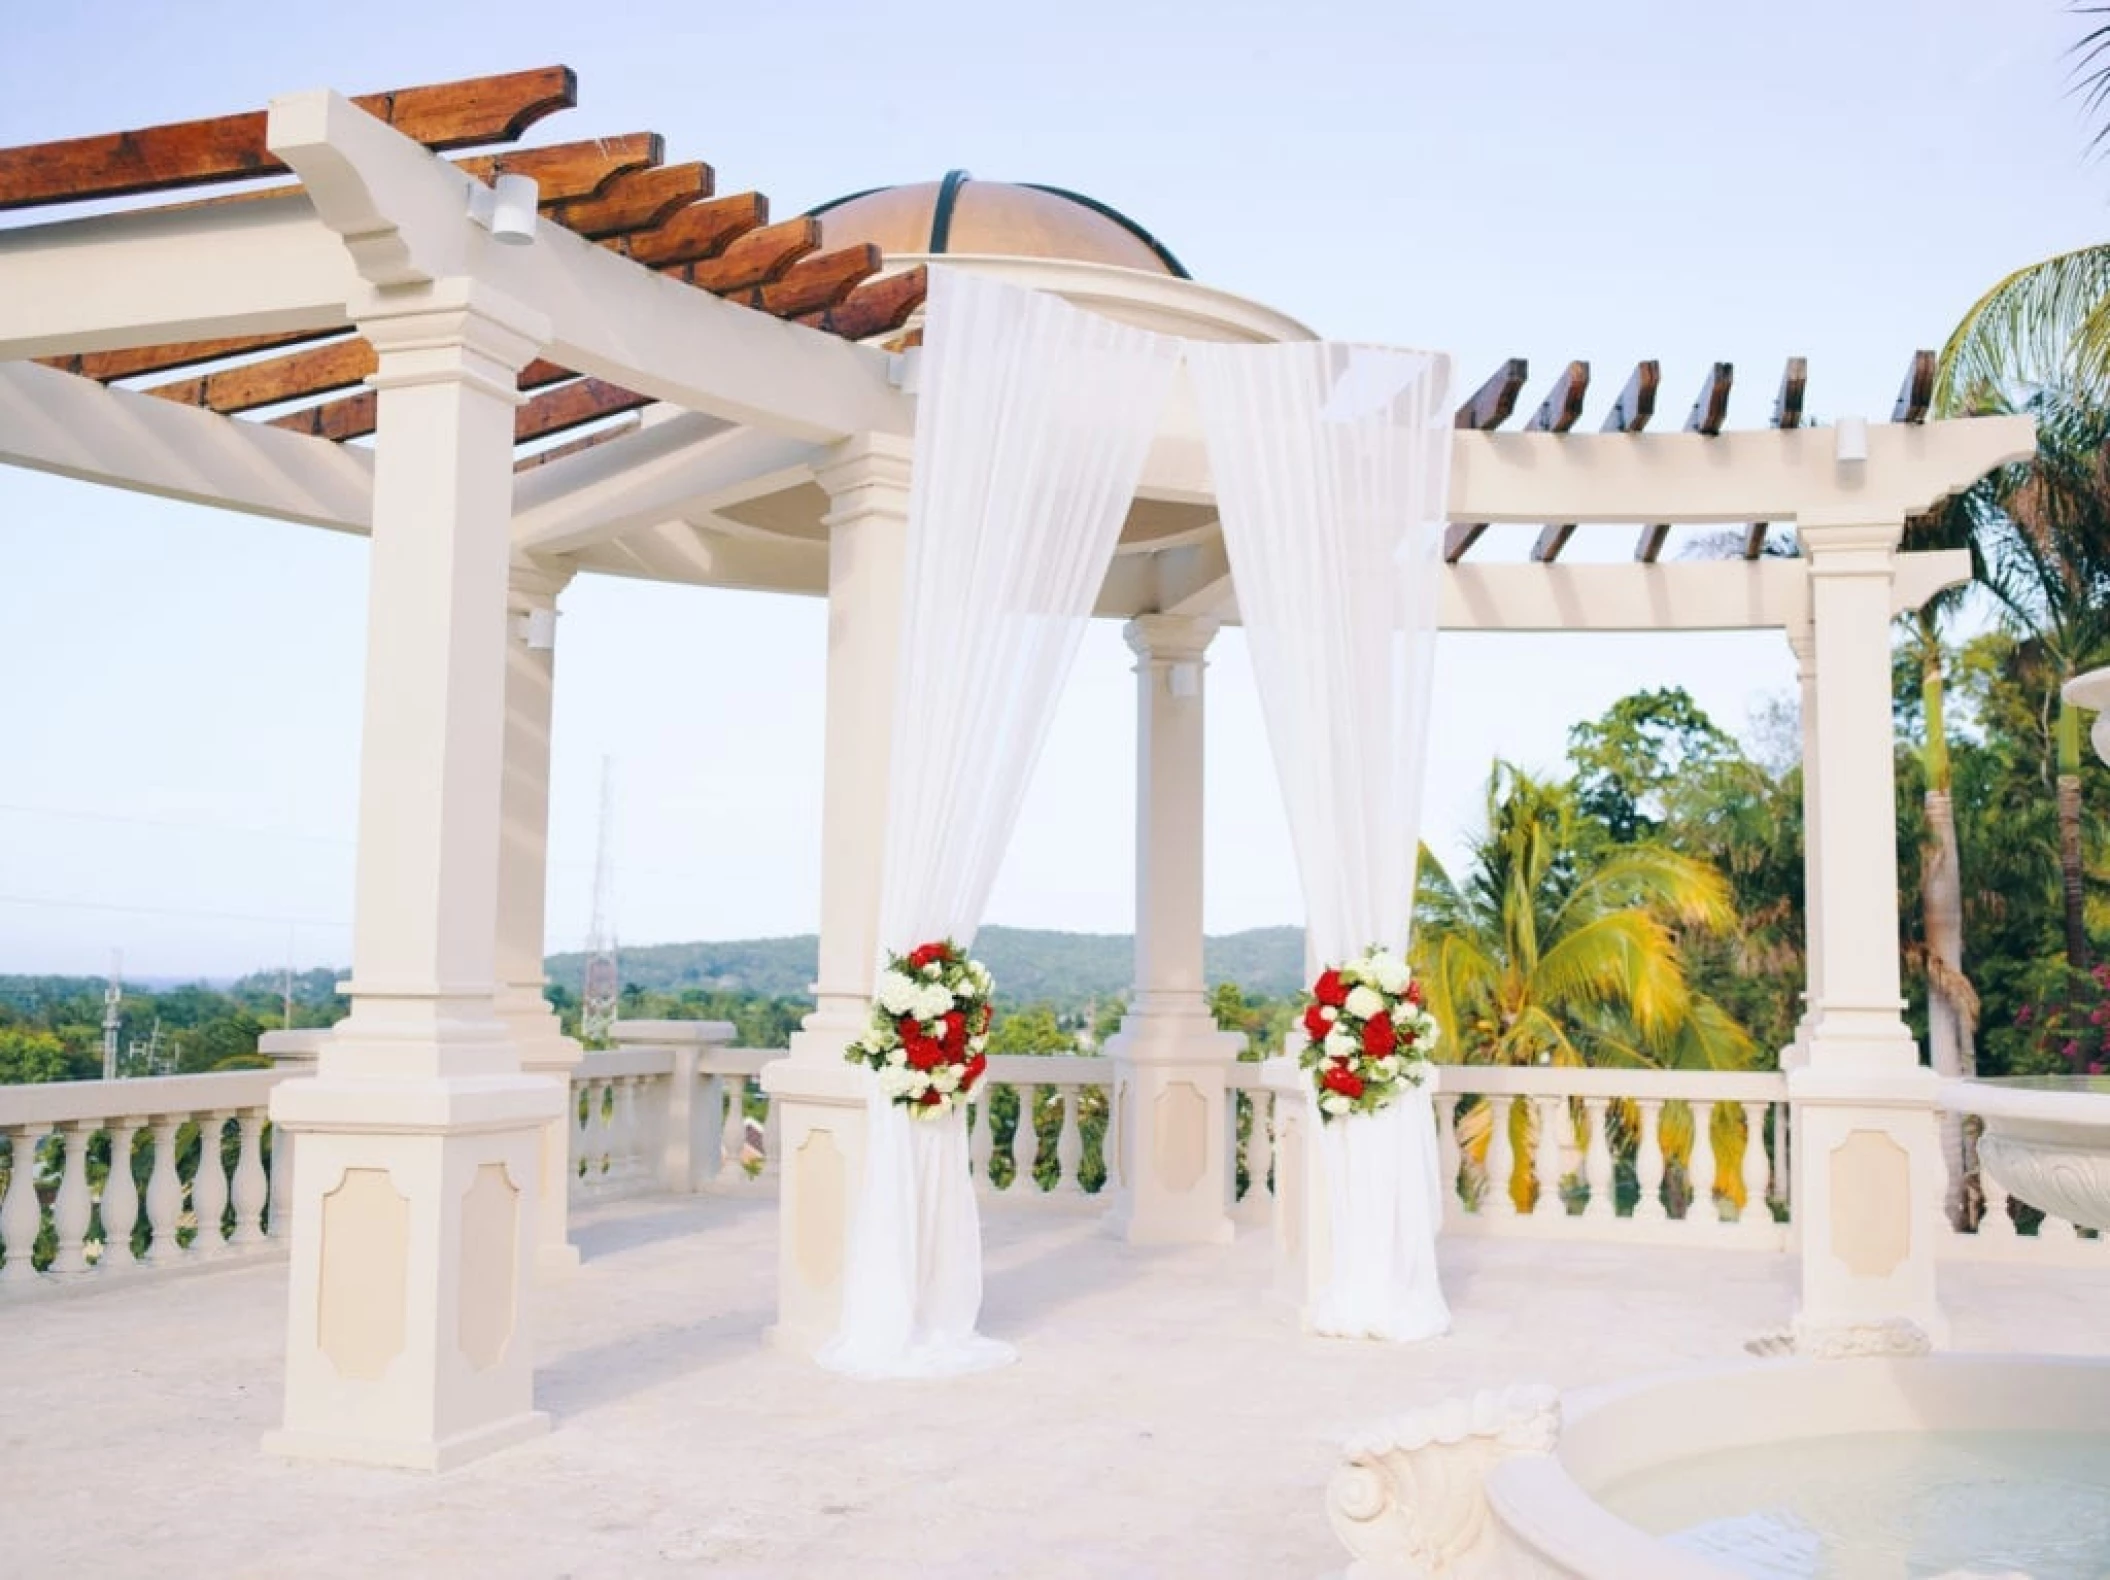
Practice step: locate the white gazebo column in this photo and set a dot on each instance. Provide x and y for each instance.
(1869, 1176)
(1170, 1130)
(817, 1098)
(419, 1138)
(1802, 637)
(523, 885)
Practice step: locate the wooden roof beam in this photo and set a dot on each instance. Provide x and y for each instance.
(232, 147)
(702, 230)
(1916, 394)
(1558, 413)
(874, 308)
(816, 282)
(755, 258)
(1787, 413)
(569, 172)
(1488, 407)
(1710, 409)
(636, 200)
(1630, 413)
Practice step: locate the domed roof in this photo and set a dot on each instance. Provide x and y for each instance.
(993, 218)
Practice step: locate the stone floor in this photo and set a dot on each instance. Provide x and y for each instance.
(1164, 1418)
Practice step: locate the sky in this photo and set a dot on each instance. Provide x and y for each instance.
(1837, 179)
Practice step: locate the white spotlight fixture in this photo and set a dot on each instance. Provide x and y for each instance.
(1851, 437)
(538, 629)
(507, 210)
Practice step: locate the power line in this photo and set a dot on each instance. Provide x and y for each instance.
(45, 902)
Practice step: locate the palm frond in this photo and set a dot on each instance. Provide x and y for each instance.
(2046, 324)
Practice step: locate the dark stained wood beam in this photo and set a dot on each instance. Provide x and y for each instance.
(104, 366)
(1916, 394)
(557, 452)
(1710, 409)
(353, 417)
(702, 230)
(1787, 413)
(573, 405)
(316, 371)
(569, 172)
(755, 258)
(636, 200)
(1629, 414)
(874, 308)
(1487, 408)
(231, 147)
(817, 282)
(1559, 412)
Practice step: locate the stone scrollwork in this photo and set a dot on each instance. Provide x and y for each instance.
(2068, 1182)
(1859, 1340)
(1410, 1498)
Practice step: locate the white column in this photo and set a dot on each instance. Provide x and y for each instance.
(1172, 1168)
(817, 1099)
(419, 1138)
(1868, 1168)
(523, 884)
(1802, 638)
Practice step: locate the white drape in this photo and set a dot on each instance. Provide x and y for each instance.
(1032, 427)
(1332, 467)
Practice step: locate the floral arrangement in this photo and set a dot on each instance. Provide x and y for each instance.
(1367, 1034)
(930, 1029)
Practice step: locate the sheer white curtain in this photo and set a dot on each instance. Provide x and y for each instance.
(1032, 428)
(1332, 466)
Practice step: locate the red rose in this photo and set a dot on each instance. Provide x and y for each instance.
(987, 1014)
(931, 1098)
(1316, 1025)
(1414, 994)
(908, 1026)
(1377, 1036)
(955, 1034)
(925, 954)
(1329, 989)
(1339, 1078)
(925, 1054)
(973, 1072)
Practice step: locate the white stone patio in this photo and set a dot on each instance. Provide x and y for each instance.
(1164, 1419)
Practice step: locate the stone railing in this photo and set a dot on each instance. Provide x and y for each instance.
(667, 1109)
(1063, 1151)
(104, 1177)
(2010, 1229)
(1679, 1157)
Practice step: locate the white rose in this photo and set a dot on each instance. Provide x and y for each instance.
(1389, 972)
(896, 993)
(931, 1002)
(1364, 1002)
(897, 1057)
(1328, 1013)
(977, 1044)
(896, 1082)
(1388, 1067)
(931, 968)
(1339, 1045)
(946, 1077)
(1335, 1103)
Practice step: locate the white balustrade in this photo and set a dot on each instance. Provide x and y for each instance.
(51, 1130)
(1075, 1087)
(1620, 1115)
(1997, 1238)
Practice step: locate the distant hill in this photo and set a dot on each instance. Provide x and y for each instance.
(1067, 970)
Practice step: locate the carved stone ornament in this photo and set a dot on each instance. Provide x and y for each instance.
(1410, 1499)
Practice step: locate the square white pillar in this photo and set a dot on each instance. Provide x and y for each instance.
(532, 590)
(817, 1099)
(414, 1203)
(1868, 1171)
(1170, 1168)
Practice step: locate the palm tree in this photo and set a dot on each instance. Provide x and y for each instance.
(2043, 528)
(2047, 323)
(1544, 955)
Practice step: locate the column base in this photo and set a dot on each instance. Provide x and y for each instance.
(545, 1050)
(439, 1456)
(1868, 1183)
(413, 1216)
(1171, 1129)
(817, 1101)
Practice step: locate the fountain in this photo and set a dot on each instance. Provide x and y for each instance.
(1952, 1467)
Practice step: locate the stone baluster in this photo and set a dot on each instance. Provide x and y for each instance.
(1699, 1165)
(252, 1187)
(1546, 1158)
(1597, 1160)
(1448, 1162)
(1495, 1198)
(1069, 1145)
(164, 1195)
(1025, 1140)
(708, 1126)
(71, 1213)
(1648, 1163)
(1755, 1172)
(281, 1184)
(1996, 1222)
(630, 1127)
(1258, 1154)
(120, 1208)
(981, 1136)
(21, 1213)
(208, 1187)
(732, 1170)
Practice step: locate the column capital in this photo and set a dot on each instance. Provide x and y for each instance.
(1838, 545)
(1802, 638)
(535, 583)
(457, 330)
(866, 475)
(1170, 638)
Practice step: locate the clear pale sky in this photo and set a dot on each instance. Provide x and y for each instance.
(1616, 180)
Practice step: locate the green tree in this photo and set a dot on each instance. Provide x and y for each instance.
(1557, 949)
(30, 1056)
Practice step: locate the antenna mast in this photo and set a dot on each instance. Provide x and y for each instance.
(603, 981)
(113, 996)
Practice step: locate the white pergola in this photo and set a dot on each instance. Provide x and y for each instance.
(775, 455)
